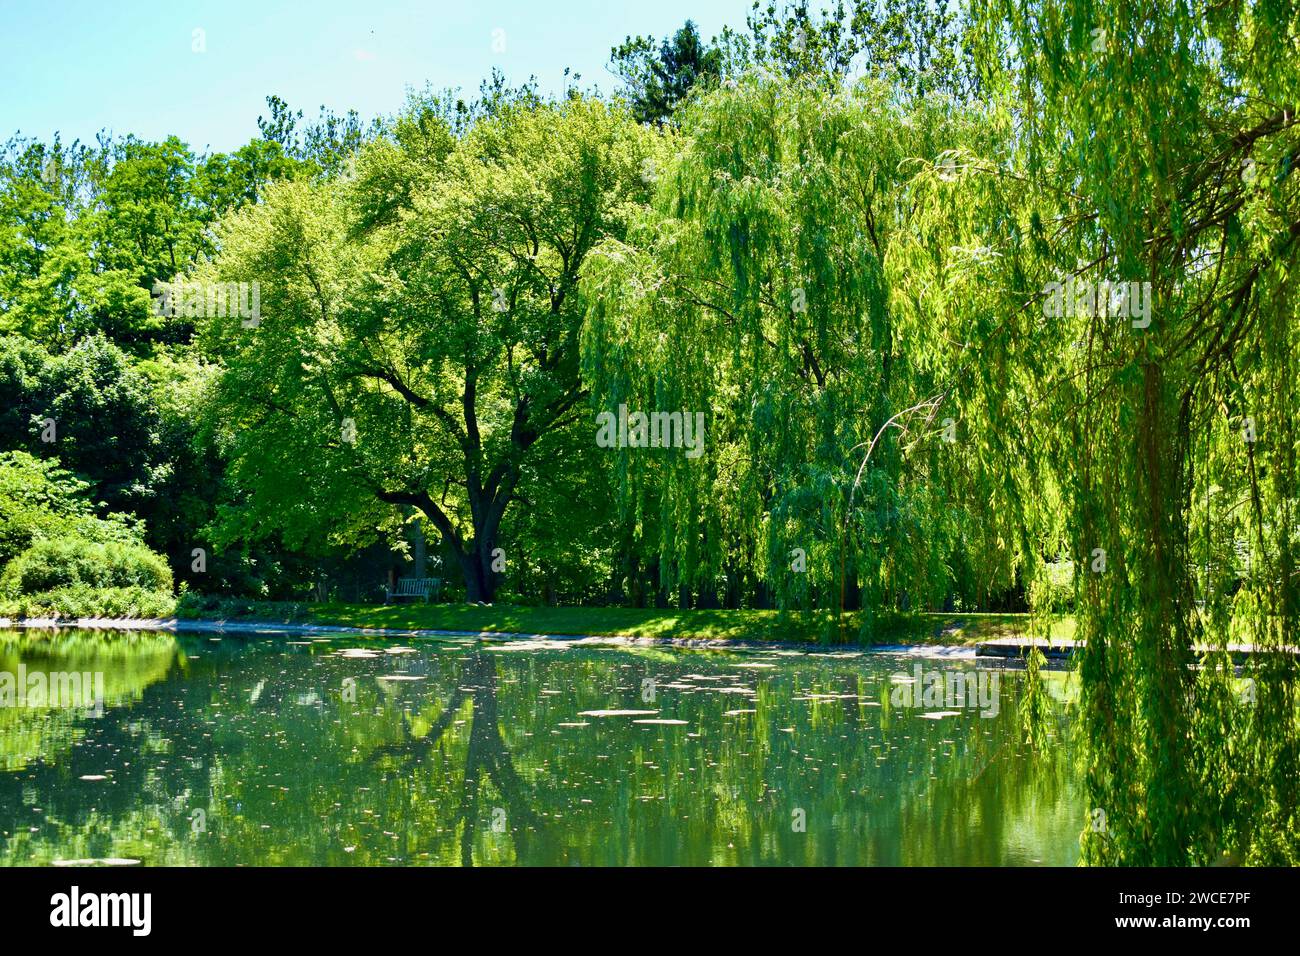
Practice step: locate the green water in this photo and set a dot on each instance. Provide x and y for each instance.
(274, 750)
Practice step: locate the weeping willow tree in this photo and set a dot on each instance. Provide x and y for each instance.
(1060, 320)
(761, 291)
(1153, 152)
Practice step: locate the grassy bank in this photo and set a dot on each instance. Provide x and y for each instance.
(794, 627)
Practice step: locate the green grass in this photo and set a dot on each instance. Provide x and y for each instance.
(792, 627)
(972, 628)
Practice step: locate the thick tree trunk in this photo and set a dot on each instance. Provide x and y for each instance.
(1164, 650)
(481, 580)
(479, 585)
(473, 556)
(417, 546)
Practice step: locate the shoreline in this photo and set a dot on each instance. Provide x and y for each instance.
(694, 627)
(202, 626)
(1005, 651)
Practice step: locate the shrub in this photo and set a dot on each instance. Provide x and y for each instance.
(81, 601)
(76, 562)
(40, 500)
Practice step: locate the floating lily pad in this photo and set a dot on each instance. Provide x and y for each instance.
(105, 861)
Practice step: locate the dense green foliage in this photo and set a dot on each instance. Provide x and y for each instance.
(73, 562)
(988, 307)
(41, 501)
(856, 267)
(60, 558)
(1159, 143)
(772, 286)
(420, 349)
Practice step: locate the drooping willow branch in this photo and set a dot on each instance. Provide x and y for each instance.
(932, 404)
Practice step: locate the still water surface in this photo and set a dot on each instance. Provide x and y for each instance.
(293, 750)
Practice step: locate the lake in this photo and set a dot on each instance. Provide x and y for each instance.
(325, 750)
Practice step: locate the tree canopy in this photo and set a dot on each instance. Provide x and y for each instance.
(1062, 328)
(421, 351)
(975, 305)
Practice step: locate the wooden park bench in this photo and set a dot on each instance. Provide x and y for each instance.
(425, 588)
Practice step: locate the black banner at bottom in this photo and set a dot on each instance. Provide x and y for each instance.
(143, 906)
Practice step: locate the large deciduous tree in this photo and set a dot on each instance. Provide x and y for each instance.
(1092, 277)
(771, 287)
(1159, 142)
(418, 344)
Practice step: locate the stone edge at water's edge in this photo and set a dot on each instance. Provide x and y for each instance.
(271, 627)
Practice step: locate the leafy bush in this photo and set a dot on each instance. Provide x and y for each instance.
(41, 500)
(63, 559)
(75, 562)
(82, 601)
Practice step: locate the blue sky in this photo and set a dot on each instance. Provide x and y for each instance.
(79, 66)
